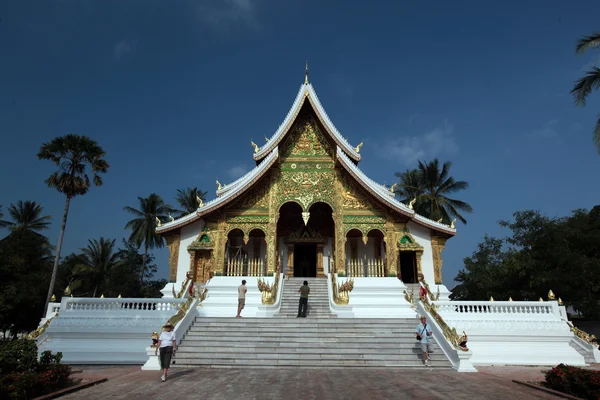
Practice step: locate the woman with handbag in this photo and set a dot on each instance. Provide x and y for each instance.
(167, 344)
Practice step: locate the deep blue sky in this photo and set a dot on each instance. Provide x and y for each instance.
(174, 91)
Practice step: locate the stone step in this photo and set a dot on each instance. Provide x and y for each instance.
(199, 347)
(392, 331)
(365, 346)
(253, 363)
(274, 321)
(297, 356)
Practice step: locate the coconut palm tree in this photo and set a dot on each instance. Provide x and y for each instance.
(431, 185)
(73, 155)
(96, 261)
(27, 216)
(143, 226)
(188, 200)
(409, 186)
(590, 81)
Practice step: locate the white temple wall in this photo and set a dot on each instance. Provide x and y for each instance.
(189, 233)
(423, 236)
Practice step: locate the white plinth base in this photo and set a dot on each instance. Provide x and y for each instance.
(222, 297)
(153, 363)
(378, 298)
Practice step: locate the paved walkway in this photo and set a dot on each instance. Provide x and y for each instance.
(306, 384)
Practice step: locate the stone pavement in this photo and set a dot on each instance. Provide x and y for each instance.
(128, 382)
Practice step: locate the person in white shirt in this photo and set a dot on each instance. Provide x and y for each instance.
(167, 343)
(424, 336)
(242, 289)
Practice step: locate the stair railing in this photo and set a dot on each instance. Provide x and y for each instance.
(454, 346)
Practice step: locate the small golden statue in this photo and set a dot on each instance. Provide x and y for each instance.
(452, 223)
(158, 223)
(200, 202)
(357, 148)
(412, 203)
(256, 148)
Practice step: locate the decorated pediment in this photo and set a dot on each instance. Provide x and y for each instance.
(408, 242)
(353, 197)
(306, 140)
(203, 241)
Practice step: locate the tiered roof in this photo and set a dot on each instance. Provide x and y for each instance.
(267, 155)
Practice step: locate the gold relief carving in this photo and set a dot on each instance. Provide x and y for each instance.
(419, 269)
(437, 246)
(203, 266)
(173, 246)
(306, 187)
(257, 197)
(218, 260)
(306, 139)
(353, 198)
(391, 250)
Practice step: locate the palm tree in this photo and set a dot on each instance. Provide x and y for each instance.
(143, 227)
(590, 81)
(26, 216)
(409, 186)
(431, 185)
(96, 261)
(73, 154)
(188, 200)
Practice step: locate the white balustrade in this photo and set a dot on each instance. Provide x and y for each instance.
(365, 268)
(475, 309)
(91, 305)
(245, 267)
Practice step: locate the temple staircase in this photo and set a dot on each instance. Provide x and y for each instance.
(319, 341)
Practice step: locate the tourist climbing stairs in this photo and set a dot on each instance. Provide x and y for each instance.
(318, 341)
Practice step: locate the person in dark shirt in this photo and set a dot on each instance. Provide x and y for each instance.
(303, 306)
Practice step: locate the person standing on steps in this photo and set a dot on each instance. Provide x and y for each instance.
(167, 344)
(303, 305)
(424, 336)
(242, 289)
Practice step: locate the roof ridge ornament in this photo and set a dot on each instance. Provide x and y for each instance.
(306, 74)
(256, 148)
(219, 186)
(452, 223)
(412, 203)
(357, 148)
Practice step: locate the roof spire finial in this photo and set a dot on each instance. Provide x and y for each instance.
(306, 74)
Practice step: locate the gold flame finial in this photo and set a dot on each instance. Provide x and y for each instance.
(541, 299)
(119, 296)
(551, 295)
(412, 203)
(306, 74)
(53, 298)
(560, 302)
(452, 223)
(357, 148)
(102, 296)
(393, 187)
(491, 298)
(67, 291)
(510, 299)
(256, 148)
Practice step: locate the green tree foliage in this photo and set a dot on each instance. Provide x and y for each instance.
(431, 185)
(143, 226)
(540, 254)
(25, 261)
(590, 81)
(96, 262)
(26, 215)
(73, 155)
(188, 200)
(120, 278)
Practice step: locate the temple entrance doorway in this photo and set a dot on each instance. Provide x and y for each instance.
(408, 266)
(305, 264)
